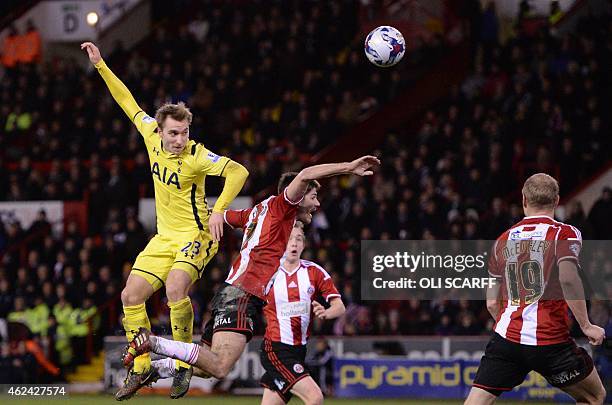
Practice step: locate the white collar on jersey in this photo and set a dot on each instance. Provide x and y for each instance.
(539, 216)
(291, 272)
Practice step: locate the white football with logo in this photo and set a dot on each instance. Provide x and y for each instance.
(384, 46)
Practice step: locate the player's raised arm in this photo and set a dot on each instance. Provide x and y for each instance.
(118, 90)
(361, 167)
(235, 175)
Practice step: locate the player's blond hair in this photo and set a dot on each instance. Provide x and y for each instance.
(178, 112)
(541, 191)
(300, 225)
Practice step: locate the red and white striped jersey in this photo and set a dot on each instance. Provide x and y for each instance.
(526, 257)
(267, 227)
(289, 309)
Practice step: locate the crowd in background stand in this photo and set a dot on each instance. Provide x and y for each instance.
(267, 86)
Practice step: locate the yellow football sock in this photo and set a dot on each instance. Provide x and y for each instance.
(181, 321)
(136, 317)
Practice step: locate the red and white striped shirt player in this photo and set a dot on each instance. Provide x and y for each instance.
(288, 313)
(527, 256)
(267, 227)
(536, 261)
(291, 306)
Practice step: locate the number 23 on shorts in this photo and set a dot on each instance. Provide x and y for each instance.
(191, 249)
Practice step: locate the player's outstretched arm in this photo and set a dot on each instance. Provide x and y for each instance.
(235, 175)
(118, 90)
(573, 291)
(361, 167)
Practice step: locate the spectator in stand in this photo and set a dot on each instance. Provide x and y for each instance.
(466, 325)
(19, 312)
(556, 14)
(9, 48)
(41, 224)
(444, 327)
(524, 11)
(600, 216)
(6, 298)
(18, 121)
(80, 321)
(321, 365)
(29, 47)
(61, 312)
(22, 364)
(490, 32)
(577, 218)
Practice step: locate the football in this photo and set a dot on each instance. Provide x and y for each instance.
(384, 46)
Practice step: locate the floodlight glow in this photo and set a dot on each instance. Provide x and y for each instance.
(92, 18)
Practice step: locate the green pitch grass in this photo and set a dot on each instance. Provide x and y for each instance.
(220, 400)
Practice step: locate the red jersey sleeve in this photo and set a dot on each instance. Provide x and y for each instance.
(237, 218)
(569, 244)
(281, 205)
(323, 282)
(495, 268)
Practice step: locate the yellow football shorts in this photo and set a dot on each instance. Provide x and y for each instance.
(162, 254)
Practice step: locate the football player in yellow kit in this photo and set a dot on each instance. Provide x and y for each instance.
(187, 232)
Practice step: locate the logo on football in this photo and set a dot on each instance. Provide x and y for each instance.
(384, 46)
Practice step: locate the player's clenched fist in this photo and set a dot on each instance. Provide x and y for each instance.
(92, 51)
(319, 310)
(595, 334)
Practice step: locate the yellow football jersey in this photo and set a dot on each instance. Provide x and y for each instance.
(180, 200)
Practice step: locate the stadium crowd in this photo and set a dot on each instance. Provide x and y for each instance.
(278, 85)
(530, 104)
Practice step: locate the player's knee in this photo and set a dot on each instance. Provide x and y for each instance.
(175, 292)
(318, 398)
(220, 373)
(599, 396)
(129, 297)
(314, 397)
(596, 397)
(225, 368)
(221, 370)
